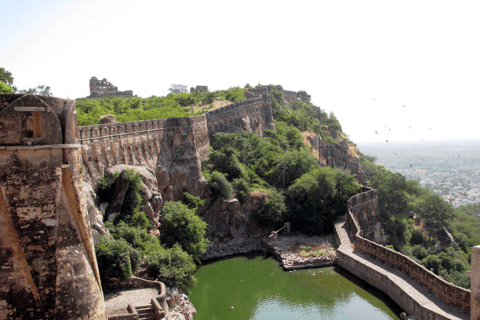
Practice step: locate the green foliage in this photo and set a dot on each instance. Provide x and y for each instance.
(193, 202)
(5, 89)
(434, 211)
(174, 267)
(41, 90)
(272, 211)
(416, 237)
(221, 188)
(113, 258)
(181, 225)
(241, 187)
(125, 109)
(319, 197)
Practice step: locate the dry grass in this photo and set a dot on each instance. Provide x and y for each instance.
(216, 104)
(310, 250)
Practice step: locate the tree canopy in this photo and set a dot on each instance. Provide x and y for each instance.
(178, 88)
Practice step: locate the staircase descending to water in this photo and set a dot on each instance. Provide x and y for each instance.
(145, 312)
(430, 307)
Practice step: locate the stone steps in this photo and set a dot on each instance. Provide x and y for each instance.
(145, 312)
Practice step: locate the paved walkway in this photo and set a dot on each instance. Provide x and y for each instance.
(117, 302)
(423, 296)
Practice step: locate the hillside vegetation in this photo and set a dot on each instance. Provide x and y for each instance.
(299, 189)
(416, 220)
(177, 105)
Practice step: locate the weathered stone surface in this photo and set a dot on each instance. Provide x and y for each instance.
(121, 187)
(343, 157)
(48, 268)
(152, 201)
(108, 118)
(99, 88)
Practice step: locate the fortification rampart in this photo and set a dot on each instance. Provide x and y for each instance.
(289, 96)
(361, 208)
(253, 114)
(142, 142)
(364, 206)
(446, 291)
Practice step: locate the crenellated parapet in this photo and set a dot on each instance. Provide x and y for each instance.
(289, 96)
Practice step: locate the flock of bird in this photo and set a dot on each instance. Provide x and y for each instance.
(390, 129)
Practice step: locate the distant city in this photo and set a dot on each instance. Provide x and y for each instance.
(449, 168)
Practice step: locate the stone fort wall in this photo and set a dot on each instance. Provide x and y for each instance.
(360, 208)
(173, 148)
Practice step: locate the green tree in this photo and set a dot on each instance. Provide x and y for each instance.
(303, 96)
(272, 211)
(174, 267)
(181, 225)
(178, 88)
(6, 77)
(434, 211)
(113, 258)
(41, 90)
(5, 89)
(319, 197)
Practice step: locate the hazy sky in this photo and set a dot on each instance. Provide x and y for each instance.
(362, 60)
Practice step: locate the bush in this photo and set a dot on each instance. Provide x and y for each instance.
(319, 197)
(180, 225)
(221, 188)
(174, 267)
(113, 258)
(193, 202)
(241, 187)
(272, 212)
(416, 237)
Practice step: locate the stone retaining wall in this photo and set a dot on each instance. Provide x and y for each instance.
(446, 291)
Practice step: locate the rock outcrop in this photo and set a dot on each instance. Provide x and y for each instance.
(343, 156)
(231, 226)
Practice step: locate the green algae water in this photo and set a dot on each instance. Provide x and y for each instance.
(256, 288)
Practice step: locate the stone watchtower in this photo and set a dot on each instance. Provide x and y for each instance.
(48, 268)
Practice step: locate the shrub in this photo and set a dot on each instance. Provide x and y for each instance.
(193, 202)
(416, 237)
(221, 188)
(174, 267)
(113, 258)
(180, 225)
(242, 188)
(272, 211)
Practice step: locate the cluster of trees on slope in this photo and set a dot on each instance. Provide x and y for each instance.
(171, 258)
(414, 223)
(300, 190)
(174, 105)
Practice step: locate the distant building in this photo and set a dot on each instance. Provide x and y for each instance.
(100, 88)
(199, 88)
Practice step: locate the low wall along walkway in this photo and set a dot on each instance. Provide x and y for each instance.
(414, 288)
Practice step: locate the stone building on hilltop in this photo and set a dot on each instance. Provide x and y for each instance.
(100, 88)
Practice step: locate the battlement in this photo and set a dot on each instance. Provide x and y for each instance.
(289, 96)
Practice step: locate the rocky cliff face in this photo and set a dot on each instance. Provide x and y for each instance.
(231, 226)
(345, 156)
